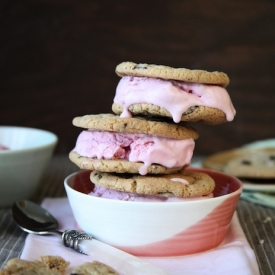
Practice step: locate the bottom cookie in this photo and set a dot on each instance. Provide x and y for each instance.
(204, 114)
(117, 165)
(185, 184)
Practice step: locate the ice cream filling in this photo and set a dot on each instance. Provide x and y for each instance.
(174, 96)
(148, 149)
(107, 193)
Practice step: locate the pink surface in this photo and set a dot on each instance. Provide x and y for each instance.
(202, 236)
(175, 96)
(3, 147)
(136, 148)
(233, 256)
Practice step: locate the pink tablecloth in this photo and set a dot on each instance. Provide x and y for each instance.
(234, 256)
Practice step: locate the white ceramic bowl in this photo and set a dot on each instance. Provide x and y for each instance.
(156, 228)
(22, 166)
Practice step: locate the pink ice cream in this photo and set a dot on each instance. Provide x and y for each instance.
(107, 193)
(136, 148)
(3, 147)
(175, 96)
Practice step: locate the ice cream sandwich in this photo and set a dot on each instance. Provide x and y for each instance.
(110, 143)
(183, 184)
(177, 93)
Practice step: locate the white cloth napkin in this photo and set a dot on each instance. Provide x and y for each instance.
(233, 256)
(259, 198)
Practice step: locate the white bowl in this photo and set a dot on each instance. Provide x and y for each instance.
(155, 228)
(23, 164)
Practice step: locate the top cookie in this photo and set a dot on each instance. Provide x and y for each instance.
(149, 126)
(166, 72)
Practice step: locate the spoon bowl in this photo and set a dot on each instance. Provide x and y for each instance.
(32, 218)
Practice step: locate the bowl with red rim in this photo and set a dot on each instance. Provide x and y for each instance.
(24, 155)
(156, 229)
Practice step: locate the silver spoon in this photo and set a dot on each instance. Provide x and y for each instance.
(32, 218)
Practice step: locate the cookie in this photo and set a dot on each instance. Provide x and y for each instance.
(207, 115)
(117, 165)
(47, 265)
(166, 72)
(55, 263)
(140, 125)
(185, 184)
(254, 164)
(93, 268)
(218, 160)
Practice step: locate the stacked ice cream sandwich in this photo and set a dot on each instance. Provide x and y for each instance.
(141, 152)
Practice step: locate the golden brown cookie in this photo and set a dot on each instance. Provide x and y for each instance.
(141, 125)
(93, 268)
(256, 164)
(166, 72)
(243, 162)
(204, 114)
(184, 183)
(117, 165)
(55, 263)
(47, 265)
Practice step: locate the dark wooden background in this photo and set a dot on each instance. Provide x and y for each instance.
(57, 59)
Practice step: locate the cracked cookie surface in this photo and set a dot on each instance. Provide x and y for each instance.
(259, 164)
(46, 265)
(141, 125)
(93, 268)
(166, 72)
(184, 183)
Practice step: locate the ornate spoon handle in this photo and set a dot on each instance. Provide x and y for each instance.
(121, 261)
(71, 238)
